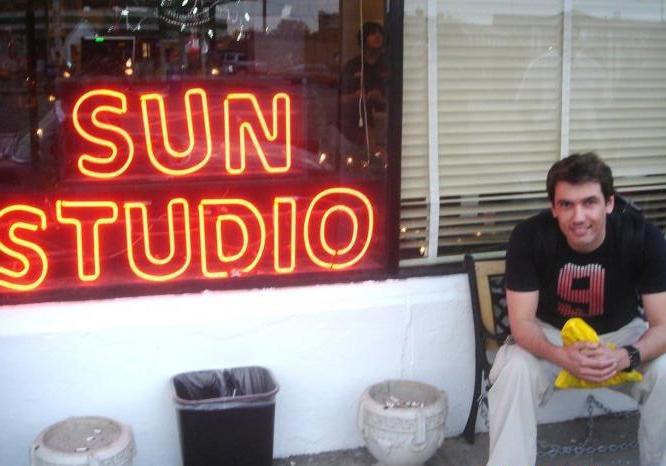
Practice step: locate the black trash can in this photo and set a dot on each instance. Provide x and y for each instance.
(226, 417)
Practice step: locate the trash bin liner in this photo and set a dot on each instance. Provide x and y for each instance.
(226, 417)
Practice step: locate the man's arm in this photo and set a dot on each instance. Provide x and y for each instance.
(525, 329)
(652, 343)
(579, 359)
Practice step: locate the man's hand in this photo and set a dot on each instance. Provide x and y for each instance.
(593, 362)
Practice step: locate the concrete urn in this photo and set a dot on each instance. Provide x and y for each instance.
(402, 421)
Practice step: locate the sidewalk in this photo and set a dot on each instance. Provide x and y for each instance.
(610, 431)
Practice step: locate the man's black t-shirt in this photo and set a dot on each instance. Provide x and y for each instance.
(602, 287)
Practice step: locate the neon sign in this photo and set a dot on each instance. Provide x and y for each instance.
(220, 195)
(101, 119)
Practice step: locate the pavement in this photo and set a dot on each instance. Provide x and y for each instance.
(612, 442)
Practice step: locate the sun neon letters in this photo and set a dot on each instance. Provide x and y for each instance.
(111, 148)
(171, 153)
(246, 130)
(114, 164)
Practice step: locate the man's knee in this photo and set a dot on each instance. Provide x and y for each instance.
(653, 383)
(515, 363)
(656, 370)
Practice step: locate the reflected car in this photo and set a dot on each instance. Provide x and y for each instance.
(312, 73)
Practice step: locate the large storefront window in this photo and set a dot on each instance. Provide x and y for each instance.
(152, 146)
(510, 87)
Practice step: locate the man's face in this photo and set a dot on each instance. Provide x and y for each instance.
(375, 40)
(580, 210)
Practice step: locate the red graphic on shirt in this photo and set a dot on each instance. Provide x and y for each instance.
(580, 290)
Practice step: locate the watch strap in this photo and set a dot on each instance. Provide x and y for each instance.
(634, 357)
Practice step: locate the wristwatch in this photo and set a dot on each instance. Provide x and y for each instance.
(634, 357)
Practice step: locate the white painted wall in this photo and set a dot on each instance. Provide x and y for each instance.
(323, 344)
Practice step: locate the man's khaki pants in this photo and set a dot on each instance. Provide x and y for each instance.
(521, 382)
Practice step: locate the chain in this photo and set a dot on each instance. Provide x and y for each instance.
(582, 448)
(483, 407)
(551, 450)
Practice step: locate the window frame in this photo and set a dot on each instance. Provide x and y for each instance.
(393, 17)
(430, 224)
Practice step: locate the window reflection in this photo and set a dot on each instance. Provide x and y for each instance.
(311, 49)
(363, 99)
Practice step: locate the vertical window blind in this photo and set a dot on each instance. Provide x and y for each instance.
(618, 95)
(414, 165)
(517, 85)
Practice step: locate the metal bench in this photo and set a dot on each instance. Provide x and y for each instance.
(491, 325)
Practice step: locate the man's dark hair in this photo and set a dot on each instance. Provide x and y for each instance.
(580, 168)
(370, 27)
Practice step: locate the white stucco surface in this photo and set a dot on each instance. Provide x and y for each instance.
(324, 345)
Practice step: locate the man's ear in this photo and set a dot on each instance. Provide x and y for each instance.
(610, 204)
(552, 210)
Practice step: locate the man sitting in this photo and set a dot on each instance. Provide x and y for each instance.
(581, 259)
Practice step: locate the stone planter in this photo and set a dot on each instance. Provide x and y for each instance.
(84, 441)
(402, 421)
